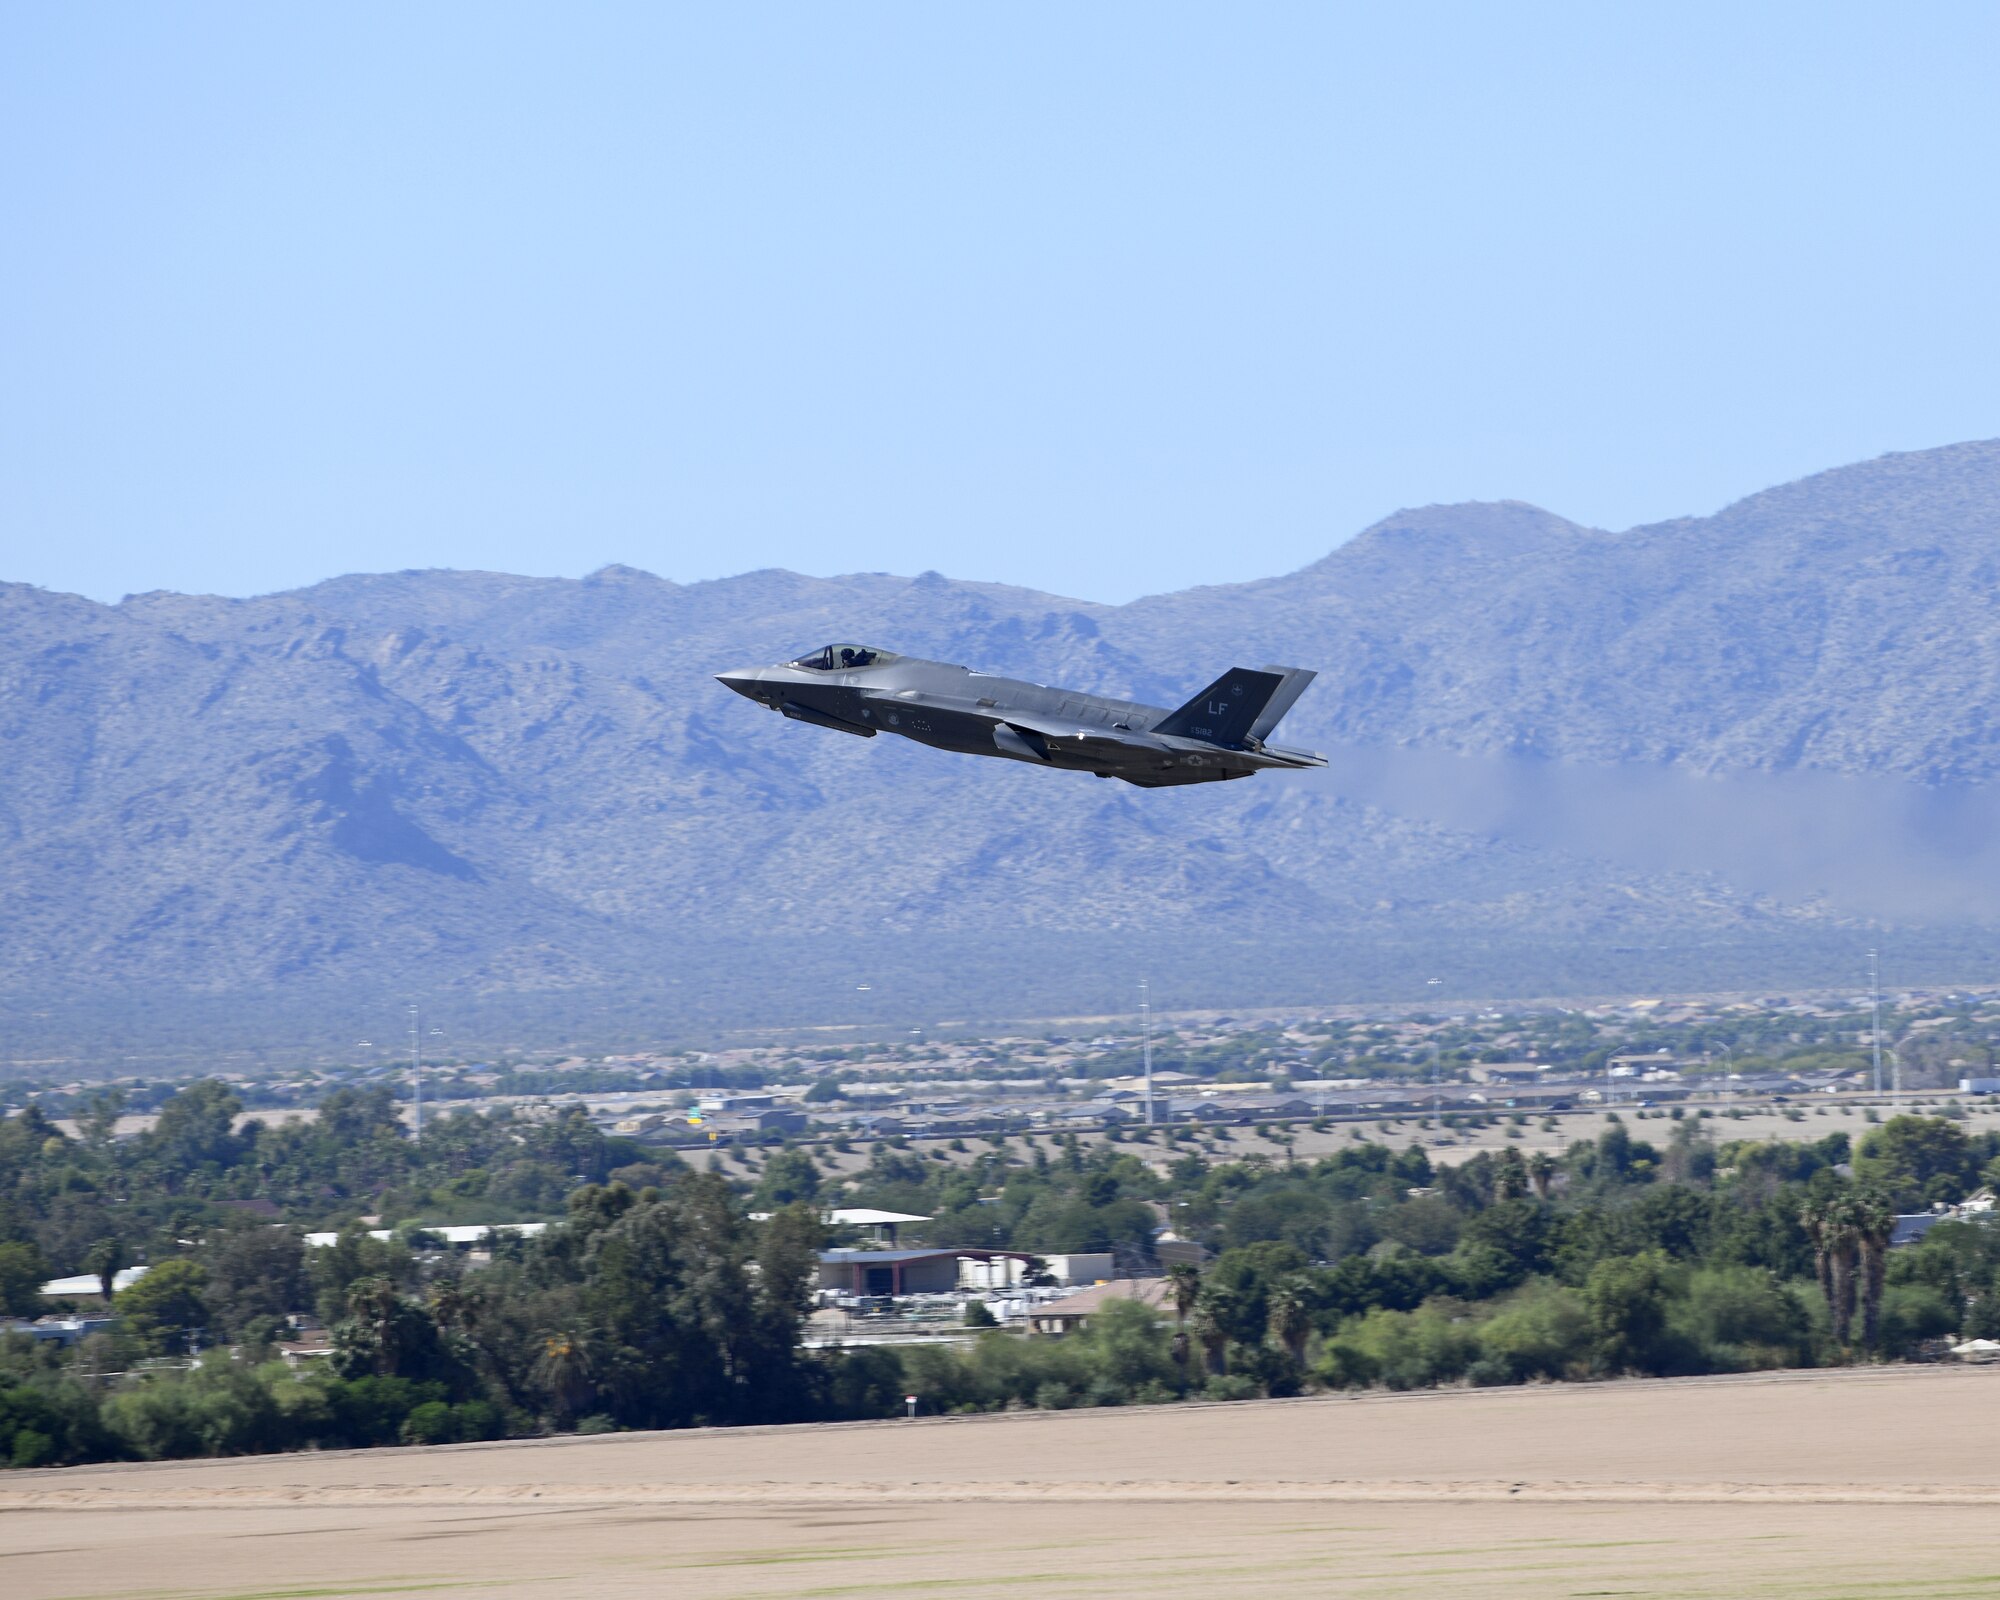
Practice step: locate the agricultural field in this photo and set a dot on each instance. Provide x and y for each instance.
(1869, 1482)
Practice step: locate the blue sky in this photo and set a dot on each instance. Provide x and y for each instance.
(1102, 300)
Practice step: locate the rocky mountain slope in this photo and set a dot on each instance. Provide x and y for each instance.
(496, 786)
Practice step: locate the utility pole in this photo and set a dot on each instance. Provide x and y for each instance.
(1875, 990)
(417, 1063)
(1146, 1033)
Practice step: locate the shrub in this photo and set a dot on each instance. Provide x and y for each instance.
(431, 1423)
(1741, 1319)
(1540, 1331)
(1401, 1349)
(1911, 1313)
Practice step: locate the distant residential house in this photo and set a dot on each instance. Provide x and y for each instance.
(1523, 1072)
(1171, 1250)
(751, 1124)
(1200, 1111)
(1274, 1105)
(733, 1102)
(1057, 1317)
(1979, 1206)
(1911, 1229)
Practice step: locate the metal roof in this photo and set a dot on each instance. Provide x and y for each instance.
(885, 1258)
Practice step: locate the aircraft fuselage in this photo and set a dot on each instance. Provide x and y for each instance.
(858, 690)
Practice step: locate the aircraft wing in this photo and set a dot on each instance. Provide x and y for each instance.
(1054, 732)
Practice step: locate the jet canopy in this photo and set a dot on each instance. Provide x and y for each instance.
(842, 658)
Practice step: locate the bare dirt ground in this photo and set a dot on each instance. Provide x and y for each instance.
(1805, 1485)
(1446, 1147)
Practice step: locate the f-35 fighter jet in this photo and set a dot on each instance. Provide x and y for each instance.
(1218, 734)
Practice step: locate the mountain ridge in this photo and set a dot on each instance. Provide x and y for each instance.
(491, 783)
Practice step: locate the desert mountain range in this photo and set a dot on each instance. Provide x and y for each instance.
(1766, 735)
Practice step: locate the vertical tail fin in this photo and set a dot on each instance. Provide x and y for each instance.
(1287, 696)
(1226, 711)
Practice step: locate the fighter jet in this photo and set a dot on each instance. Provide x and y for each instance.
(1217, 735)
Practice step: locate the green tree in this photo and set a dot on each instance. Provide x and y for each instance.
(105, 1259)
(789, 1176)
(1872, 1221)
(1184, 1289)
(23, 1271)
(1625, 1298)
(165, 1305)
(195, 1130)
(567, 1375)
(1290, 1317)
(1917, 1160)
(97, 1120)
(255, 1274)
(388, 1335)
(1209, 1322)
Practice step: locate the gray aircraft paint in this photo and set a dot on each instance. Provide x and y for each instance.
(1217, 735)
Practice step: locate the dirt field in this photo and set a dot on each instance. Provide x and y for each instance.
(1810, 1486)
(1447, 1147)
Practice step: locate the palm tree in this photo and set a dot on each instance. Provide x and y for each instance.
(1841, 1240)
(377, 1310)
(1873, 1221)
(1542, 1173)
(1184, 1285)
(1209, 1324)
(1814, 1217)
(564, 1369)
(1291, 1318)
(106, 1258)
(451, 1306)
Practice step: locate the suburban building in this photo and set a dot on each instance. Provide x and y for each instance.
(901, 1272)
(56, 1330)
(88, 1286)
(1058, 1317)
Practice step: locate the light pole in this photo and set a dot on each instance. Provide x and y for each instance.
(1437, 1086)
(1875, 992)
(417, 1064)
(1146, 1034)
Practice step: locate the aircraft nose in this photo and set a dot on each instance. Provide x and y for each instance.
(744, 682)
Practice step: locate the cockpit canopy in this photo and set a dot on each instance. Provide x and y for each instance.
(842, 658)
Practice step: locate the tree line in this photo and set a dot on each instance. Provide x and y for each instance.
(656, 1300)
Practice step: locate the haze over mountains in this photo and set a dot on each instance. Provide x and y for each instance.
(1735, 749)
